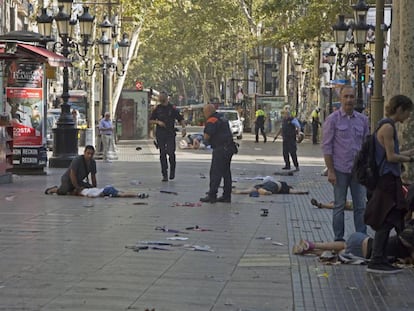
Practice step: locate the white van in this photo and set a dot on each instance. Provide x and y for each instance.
(235, 121)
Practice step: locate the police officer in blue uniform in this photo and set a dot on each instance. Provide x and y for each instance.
(217, 132)
(164, 116)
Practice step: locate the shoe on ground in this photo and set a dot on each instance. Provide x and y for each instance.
(172, 175)
(286, 168)
(48, 190)
(316, 203)
(297, 169)
(208, 199)
(164, 178)
(224, 200)
(382, 268)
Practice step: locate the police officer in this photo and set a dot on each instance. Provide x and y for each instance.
(290, 128)
(164, 116)
(217, 133)
(259, 123)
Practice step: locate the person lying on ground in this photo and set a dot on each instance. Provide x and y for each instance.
(110, 191)
(76, 176)
(359, 244)
(268, 187)
(193, 141)
(330, 205)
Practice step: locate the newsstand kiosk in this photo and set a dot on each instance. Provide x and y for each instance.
(24, 72)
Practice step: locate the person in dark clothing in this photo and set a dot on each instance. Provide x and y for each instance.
(259, 124)
(387, 206)
(75, 179)
(164, 116)
(290, 128)
(315, 124)
(217, 132)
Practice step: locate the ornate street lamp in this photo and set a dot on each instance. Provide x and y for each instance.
(65, 146)
(108, 66)
(340, 32)
(360, 39)
(357, 59)
(65, 138)
(331, 62)
(44, 23)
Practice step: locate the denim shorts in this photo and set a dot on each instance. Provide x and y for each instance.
(110, 191)
(354, 243)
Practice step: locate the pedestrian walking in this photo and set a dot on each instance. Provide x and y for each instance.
(315, 125)
(164, 116)
(290, 129)
(106, 130)
(217, 132)
(387, 207)
(343, 134)
(259, 124)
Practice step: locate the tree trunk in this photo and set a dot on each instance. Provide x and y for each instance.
(400, 69)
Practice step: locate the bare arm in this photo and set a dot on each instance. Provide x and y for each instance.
(74, 180)
(157, 122)
(386, 139)
(183, 131)
(93, 179)
(331, 171)
(278, 132)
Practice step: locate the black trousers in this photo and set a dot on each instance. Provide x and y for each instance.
(262, 131)
(166, 144)
(379, 245)
(315, 127)
(289, 149)
(220, 168)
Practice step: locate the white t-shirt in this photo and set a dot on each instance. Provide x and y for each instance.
(92, 192)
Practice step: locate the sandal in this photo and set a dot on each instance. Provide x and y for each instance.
(47, 191)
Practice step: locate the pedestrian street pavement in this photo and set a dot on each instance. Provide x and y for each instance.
(73, 253)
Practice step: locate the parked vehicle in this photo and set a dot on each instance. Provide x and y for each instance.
(235, 121)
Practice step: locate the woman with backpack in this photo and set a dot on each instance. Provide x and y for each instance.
(387, 206)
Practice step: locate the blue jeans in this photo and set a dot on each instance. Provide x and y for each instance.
(358, 193)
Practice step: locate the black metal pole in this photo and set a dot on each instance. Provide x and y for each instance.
(105, 89)
(330, 88)
(360, 71)
(65, 135)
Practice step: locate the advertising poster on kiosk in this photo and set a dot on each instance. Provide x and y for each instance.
(25, 107)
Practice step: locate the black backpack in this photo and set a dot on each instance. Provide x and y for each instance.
(365, 169)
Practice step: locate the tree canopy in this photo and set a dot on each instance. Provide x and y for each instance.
(186, 46)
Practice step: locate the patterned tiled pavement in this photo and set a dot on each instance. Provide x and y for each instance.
(65, 253)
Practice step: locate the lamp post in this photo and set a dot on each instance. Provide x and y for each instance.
(358, 58)
(108, 66)
(65, 139)
(331, 62)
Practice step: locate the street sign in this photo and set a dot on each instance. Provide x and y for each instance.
(139, 85)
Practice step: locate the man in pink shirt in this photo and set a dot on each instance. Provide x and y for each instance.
(343, 134)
